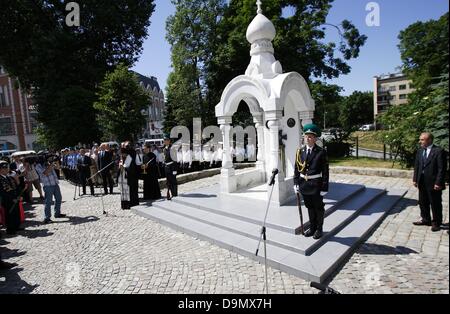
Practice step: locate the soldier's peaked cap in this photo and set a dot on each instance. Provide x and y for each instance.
(312, 129)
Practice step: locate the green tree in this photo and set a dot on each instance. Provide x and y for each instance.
(54, 61)
(120, 105)
(191, 31)
(423, 47)
(299, 45)
(209, 48)
(424, 50)
(327, 100)
(356, 110)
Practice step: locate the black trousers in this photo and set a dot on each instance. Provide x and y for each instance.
(172, 184)
(429, 198)
(12, 215)
(84, 176)
(107, 181)
(316, 210)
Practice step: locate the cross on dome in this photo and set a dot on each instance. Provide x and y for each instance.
(259, 3)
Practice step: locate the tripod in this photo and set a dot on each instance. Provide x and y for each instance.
(263, 236)
(91, 178)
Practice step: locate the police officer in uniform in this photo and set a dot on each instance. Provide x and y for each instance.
(311, 178)
(170, 169)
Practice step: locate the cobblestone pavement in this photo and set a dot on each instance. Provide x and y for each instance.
(124, 253)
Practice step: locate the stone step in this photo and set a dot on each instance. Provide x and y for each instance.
(329, 256)
(340, 217)
(315, 267)
(284, 218)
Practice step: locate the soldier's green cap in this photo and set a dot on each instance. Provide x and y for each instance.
(312, 129)
(166, 136)
(3, 164)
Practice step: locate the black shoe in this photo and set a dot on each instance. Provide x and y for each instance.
(60, 216)
(422, 223)
(309, 233)
(444, 226)
(6, 266)
(435, 228)
(318, 235)
(47, 221)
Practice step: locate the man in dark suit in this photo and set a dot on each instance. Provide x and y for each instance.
(170, 169)
(311, 178)
(105, 162)
(84, 171)
(429, 176)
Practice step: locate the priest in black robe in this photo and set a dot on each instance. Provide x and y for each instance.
(128, 177)
(150, 175)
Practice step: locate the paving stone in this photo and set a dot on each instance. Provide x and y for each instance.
(124, 253)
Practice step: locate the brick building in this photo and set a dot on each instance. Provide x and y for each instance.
(17, 116)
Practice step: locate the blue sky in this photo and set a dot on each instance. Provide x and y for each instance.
(379, 55)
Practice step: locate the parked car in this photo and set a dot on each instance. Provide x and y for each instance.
(367, 128)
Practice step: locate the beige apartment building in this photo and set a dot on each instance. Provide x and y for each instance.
(390, 90)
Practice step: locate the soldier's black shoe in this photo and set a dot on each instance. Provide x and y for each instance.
(309, 233)
(60, 216)
(318, 235)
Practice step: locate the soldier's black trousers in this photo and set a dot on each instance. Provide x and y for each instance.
(172, 184)
(316, 210)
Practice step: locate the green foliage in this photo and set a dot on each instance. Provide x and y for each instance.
(54, 61)
(327, 100)
(191, 31)
(209, 49)
(356, 110)
(424, 47)
(120, 105)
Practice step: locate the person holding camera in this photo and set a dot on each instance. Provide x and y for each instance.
(49, 179)
(311, 178)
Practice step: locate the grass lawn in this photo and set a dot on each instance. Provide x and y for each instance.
(369, 140)
(365, 162)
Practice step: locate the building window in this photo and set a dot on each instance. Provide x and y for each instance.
(393, 97)
(33, 121)
(403, 96)
(411, 86)
(3, 96)
(403, 87)
(6, 127)
(392, 88)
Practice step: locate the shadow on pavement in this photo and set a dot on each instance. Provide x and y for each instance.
(12, 283)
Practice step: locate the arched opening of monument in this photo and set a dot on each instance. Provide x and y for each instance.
(244, 141)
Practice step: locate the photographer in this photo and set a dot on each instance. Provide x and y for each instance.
(49, 179)
(32, 177)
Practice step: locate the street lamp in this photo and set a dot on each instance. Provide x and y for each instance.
(325, 120)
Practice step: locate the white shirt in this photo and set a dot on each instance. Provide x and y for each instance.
(429, 148)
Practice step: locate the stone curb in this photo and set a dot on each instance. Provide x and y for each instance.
(194, 176)
(378, 172)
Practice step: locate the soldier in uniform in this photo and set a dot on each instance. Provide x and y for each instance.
(170, 169)
(311, 178)
(9, 198)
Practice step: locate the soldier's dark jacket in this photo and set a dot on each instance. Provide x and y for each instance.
(8, 191)
(316, 164)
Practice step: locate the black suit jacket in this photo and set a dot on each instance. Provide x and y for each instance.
(317, 163)
(433, 170)
(105, 159)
